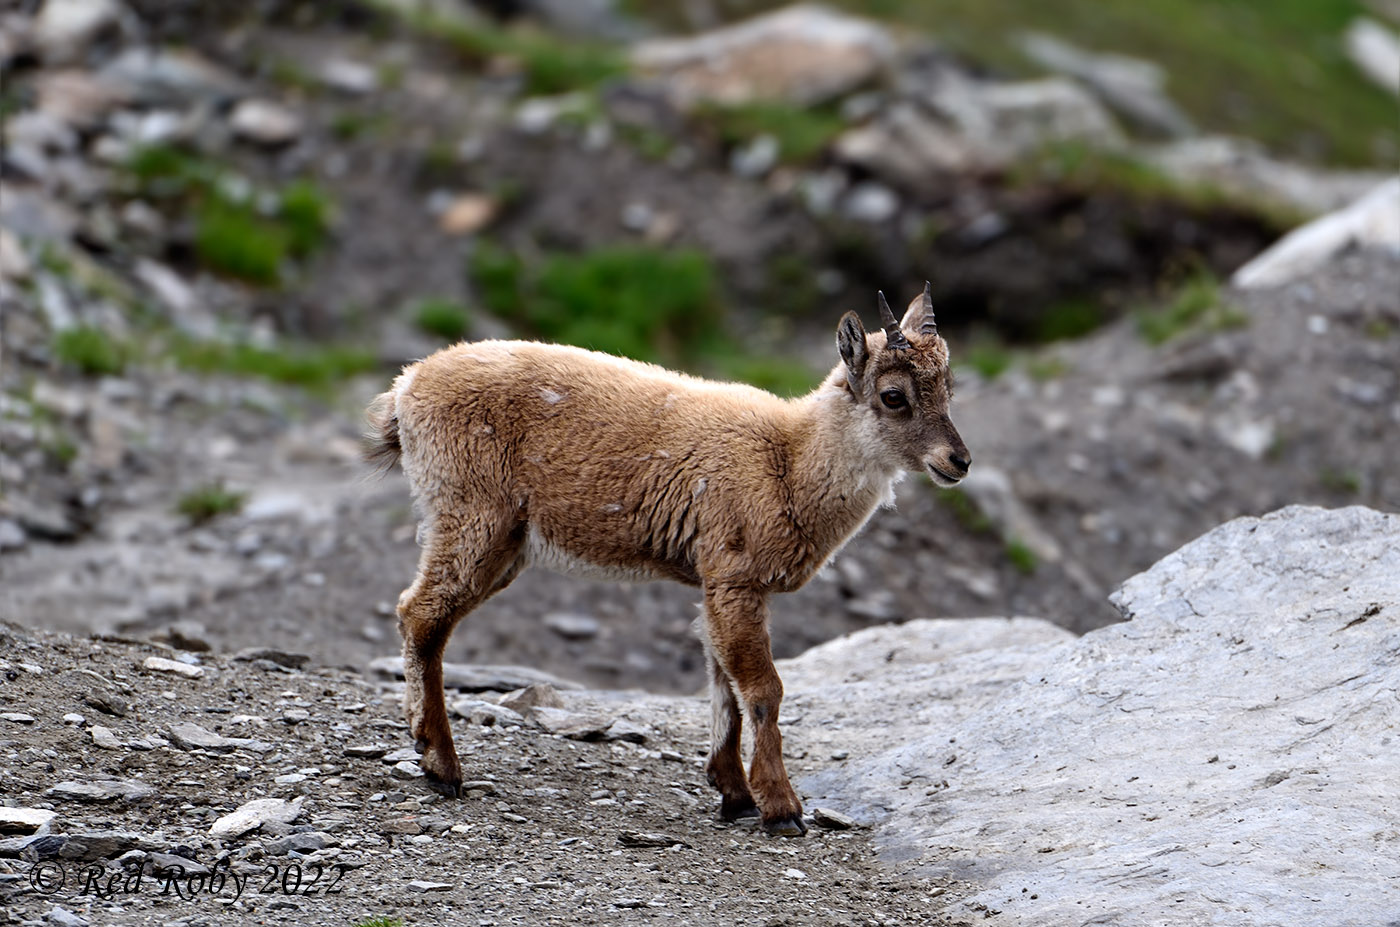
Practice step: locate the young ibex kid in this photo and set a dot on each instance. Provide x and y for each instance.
(521, 453)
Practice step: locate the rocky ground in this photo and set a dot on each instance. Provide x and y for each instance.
(1094, 456)
(133, 756)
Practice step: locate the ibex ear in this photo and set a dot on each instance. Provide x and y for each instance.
(850, 341)
(920, 310)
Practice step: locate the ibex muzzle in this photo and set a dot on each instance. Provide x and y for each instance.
(521, 453)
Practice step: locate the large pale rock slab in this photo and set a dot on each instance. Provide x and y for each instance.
(1371, 222)
(1134, 88)
(1226, 756)
(804, 54)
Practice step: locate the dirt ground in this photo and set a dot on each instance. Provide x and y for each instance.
(547, 834)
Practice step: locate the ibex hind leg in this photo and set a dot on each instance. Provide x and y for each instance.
(459, 569)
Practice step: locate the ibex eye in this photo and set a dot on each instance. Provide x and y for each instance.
(893, 399)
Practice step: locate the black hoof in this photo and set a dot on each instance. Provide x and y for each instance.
(732, 809)
(420, 745)
(790, 826)
(443, 787)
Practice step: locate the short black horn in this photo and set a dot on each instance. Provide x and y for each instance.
(894, 338)
(928, 326)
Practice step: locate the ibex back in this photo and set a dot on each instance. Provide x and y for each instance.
(521, 453)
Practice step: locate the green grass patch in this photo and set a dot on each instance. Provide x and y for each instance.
(988, 356)
(1069, 319)
(209, 501)
(443, 318)
(232, 235)
(1343, 482)
(802, 132)
(646, 303)
(381, 922)
(1021, 556)
(91, 351)
(632, 301)
(550, 64)
(232, 240)
(313, 367)
(965, 511)
(1195, 306)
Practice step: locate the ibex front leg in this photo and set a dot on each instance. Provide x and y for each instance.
(737, 624)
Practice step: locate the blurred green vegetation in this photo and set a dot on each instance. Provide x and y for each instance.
(238, 231)
(314, 367)
(1083, 167)
(802, 132)
(549, 64)
(633, 301)
(91, 351)
(1272, 70)
(209, 501)
(1195, 305)
(442, 317)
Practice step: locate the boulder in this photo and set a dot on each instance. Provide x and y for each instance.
(64, 29)
(803, 54)
(1371, 222)
(1243, 168)
(951, 122)
(1225, 755)
(1133, 88)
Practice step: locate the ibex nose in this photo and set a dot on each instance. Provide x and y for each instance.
(962, 463)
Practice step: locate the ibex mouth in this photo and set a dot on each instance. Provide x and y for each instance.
(942, 479)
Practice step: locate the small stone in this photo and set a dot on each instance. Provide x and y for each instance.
(468, 213)
(98, 844)
(280, 657)
(871, 202)
(419, 885)
(264, 122)
(12, 536)
(106, 739)
(162, 665)
(366, 751)
(406, 769)
(349, 76)
(572, 626)
(832, 820)
(24, 820)
(756, 158)
(795, 874)
(17, 717)
(296, 843)
(186, 635)
(106, 702)
(62, 917)
(523, 700)
(640, 840)
(103, 790)
(254, 814)
(74, 718)
(188, 736)
(295, 715)
(622, 729)
(64, 29)
(400, 755)
(629, 903)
